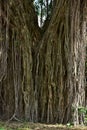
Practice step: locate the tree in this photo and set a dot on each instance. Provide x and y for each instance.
(43, 10)
(45, 74)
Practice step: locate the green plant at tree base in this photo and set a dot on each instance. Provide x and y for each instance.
(70, 125)
(2, 129)
(83, 110)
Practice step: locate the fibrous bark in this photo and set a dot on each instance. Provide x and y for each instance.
(60, 65)
(42, 76)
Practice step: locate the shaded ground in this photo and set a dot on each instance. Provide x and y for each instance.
(36, 126)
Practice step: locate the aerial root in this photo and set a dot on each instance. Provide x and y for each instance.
(14, 118)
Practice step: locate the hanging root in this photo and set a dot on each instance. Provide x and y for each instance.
(14, 118)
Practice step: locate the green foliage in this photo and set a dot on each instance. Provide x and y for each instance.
(83, 110)
(38, 5)
(70, 125)
(2, 129)
(37, 8)
(42, 9)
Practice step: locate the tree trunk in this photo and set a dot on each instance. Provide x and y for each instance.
(42, 75)
(60, 65)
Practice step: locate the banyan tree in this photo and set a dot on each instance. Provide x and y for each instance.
(42, 69)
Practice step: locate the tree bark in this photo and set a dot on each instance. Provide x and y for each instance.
(60, 70)
(42, 76)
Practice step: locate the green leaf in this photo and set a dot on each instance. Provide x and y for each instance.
(2, 129)
(82, 110)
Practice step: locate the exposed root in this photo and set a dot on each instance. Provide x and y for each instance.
(14, 118)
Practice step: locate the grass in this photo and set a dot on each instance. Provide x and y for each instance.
(37, 126)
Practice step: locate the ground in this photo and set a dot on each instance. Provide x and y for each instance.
(36, 126)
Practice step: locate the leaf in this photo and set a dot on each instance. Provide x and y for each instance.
(2, 129)
(82, 110)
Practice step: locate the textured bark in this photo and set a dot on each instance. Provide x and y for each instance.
(42, 76)
(59, 69)
(16, 58)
